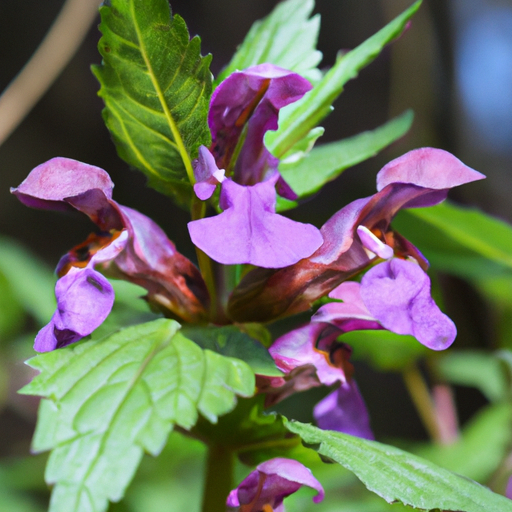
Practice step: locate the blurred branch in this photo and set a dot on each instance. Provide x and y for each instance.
(51, 57)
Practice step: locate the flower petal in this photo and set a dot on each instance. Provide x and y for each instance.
(84, 300)
(249, 230)
(397, 294)
(429, 168)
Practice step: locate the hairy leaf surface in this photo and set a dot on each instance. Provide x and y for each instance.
(109, 401)
(396, 475)
(156, 88)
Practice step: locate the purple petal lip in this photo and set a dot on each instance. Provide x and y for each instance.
(344, 410)
(397, 294)
(61, 178)
(84, 300)
(270, 483)
(249, 230)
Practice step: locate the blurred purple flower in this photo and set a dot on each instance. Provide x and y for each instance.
(266, 487)
(344, 410)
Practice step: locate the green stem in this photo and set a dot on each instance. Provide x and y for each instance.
(219, 478)
(422, 399)
(197, 211)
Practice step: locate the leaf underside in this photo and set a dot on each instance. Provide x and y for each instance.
(109, 401)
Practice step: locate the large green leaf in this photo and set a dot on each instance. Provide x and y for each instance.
(297, 119)
(396, 475)
(287, 37)
(230, 341)
(110, 400)
(326, 162)
(473, 232)
(156, 88)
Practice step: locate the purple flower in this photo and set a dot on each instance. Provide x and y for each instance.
(84, 300)
(397, 293)
(130, 246)
(207, 174)
(394, 295)
(421, 177)
(249, 230)
(266, 487)
(344, 410)
(242, 109)
(310, 356)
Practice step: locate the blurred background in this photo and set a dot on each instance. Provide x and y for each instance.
(453, 67)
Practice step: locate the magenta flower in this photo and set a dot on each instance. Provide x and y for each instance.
(421, 177)
(249, 230)
(270, 483)
(130, 246)
(242, 109)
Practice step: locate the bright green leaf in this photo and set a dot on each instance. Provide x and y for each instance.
(297, 119)
(156, 88)
(483, 444)
(326, 162)
(111, 400)
(230, 341)
(396, 475)
(475, 368)
(287, 37)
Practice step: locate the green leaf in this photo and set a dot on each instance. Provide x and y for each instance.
(396, 475)
(384, 349)
(30, 281)
(156, 88)
(325, 163)
(475, 368)
(109, 401)
(287, 37)
(297, 119)
(230, 341)
(483, 444)
(471, 229)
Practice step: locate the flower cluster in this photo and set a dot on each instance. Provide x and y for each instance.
(375, 277)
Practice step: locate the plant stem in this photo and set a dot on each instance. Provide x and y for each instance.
(219, 478)
(422, 399)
